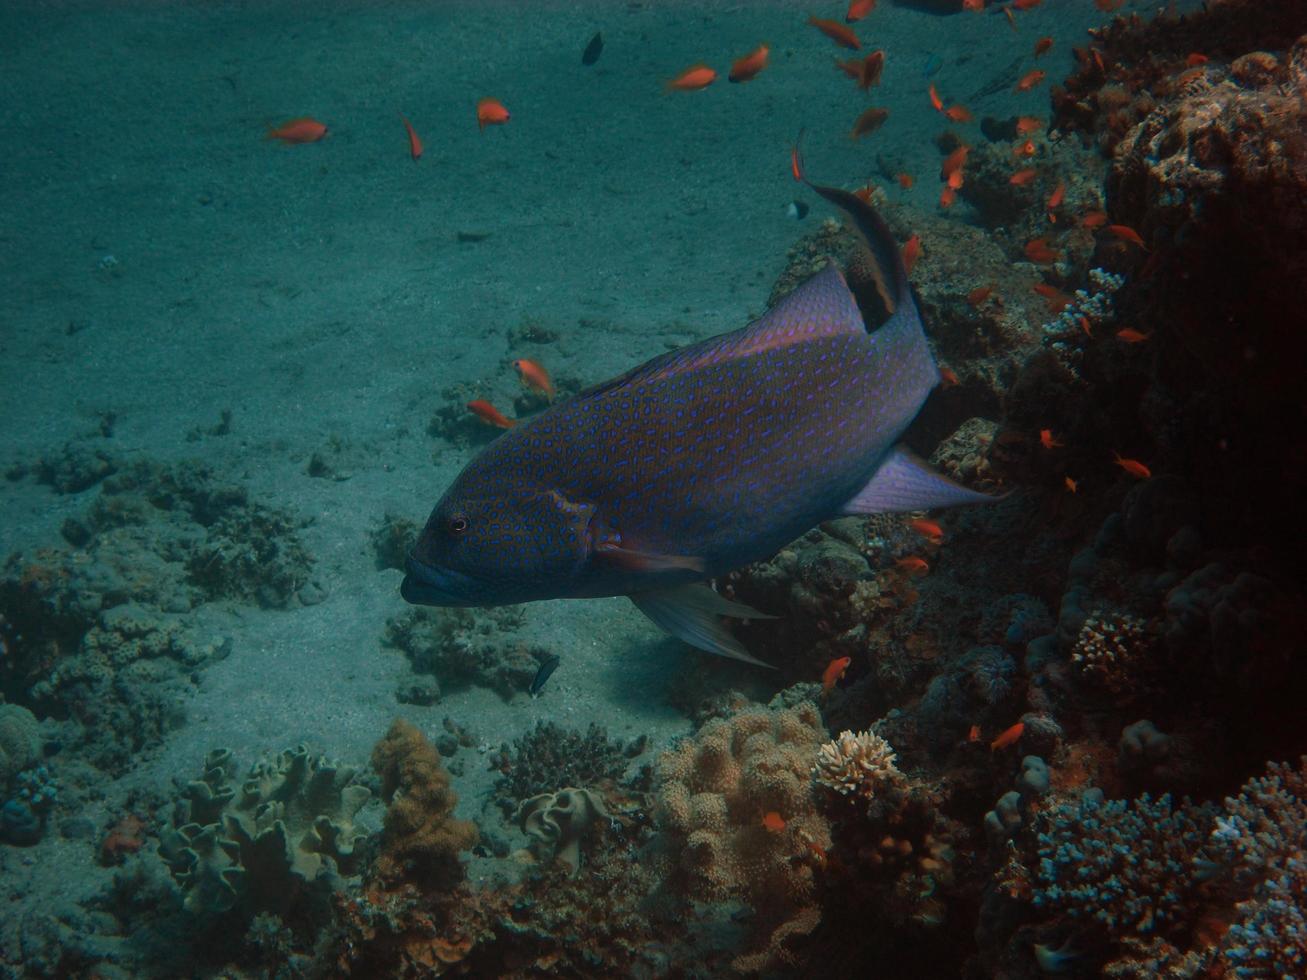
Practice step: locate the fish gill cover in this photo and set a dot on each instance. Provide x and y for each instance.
(279, 280)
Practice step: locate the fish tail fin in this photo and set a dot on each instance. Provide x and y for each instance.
(879, 282)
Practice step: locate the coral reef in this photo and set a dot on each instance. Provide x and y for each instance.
(714, 791)
(460, 647)
(282, 836)
(20, 741)
(549, 756)
(857, 765)
(560, 821)
(422, 840)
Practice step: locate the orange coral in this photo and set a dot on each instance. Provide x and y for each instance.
(421, 837)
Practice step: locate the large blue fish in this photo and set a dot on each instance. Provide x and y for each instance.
(701, 460)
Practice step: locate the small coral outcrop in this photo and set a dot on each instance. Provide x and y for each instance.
(856, 764)
(561, 821)
(263, 842)
(421, 840)
(738, 803)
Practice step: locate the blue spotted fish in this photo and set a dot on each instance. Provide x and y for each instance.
(701, 460)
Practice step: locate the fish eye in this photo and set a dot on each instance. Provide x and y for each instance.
(456, 525)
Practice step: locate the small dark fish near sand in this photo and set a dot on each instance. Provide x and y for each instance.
(547, 668)
(594, 49)
(703, 459)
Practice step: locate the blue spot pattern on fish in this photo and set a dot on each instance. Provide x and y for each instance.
(698, 461)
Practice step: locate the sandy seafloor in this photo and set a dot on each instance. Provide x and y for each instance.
(320, 292)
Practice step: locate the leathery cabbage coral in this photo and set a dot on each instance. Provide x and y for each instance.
(856, 764)
(715, 790)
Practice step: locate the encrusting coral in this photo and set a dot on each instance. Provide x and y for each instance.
(421, 839)
(716, 790)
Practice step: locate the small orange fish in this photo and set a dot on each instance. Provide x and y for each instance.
(1038, 250)
(979, 294)
(414, 144)
(837, 32)
(954, 161)
(1057, 197)
(1056, 299)
(1011, 21)
(796, 158)
(928, 529)
(1131, 336)
(859, 9)
(693, 79)
(773, 821)
(1025, 4)
(491, 112)
(865, 192)
(973, 734)
(1133, 467)
(870, 70)
(959, 113)
(1071, 485)
(905, 181)
(1093, 219)
(1030, 80)
(975, 6)
(1196, 59)
(1023, 177)
(1028, 124)
(1007, 737)
(913, 565)
(935, 100)
(304, 130)
(1026, 149)
(747, 68)
(488, 413)
(534, 377)
(949, 195)
(1108, 6)
(948, 378)
(955, 180)
(1127, 234)
(1048, 440)
(1084, 325)
(911, 252)
(833, 672)
(869, 122)
(1043, 46)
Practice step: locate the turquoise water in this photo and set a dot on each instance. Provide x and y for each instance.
(235, 380)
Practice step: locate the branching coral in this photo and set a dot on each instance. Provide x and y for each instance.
(856, 765)
(1113, 651)
(421, 837)
(716, 789)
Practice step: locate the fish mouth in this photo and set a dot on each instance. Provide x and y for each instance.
(425, 585)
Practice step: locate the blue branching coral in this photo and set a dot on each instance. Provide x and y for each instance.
(1127, 865)
(1096, 307)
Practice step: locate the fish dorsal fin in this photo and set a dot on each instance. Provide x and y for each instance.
(822, 306)
(876, 273)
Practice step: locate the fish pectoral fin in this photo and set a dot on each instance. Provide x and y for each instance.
(692, 613)
(647, 561)
(906, 482)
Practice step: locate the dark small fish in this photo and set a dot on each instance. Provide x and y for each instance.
(547, 667)
(797, 210)
(933, 64)
(592, 52)
(869, 122)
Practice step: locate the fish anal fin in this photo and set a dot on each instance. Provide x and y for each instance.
(647, 561)
(905, 482)
(692, 613)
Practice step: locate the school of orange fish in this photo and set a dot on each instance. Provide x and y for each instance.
(866, 72)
